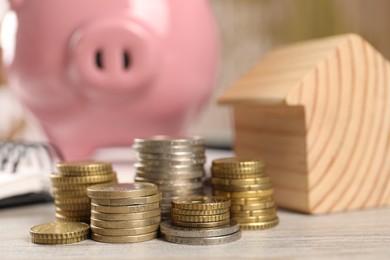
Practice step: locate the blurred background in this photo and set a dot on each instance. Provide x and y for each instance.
(250, 28)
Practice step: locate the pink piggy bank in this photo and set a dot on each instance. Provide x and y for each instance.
(99, 73)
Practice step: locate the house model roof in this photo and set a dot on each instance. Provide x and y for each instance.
(280, 76)
(318, 112)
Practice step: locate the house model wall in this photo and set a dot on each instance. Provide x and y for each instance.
(318, 112)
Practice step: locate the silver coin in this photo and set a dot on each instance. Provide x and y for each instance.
(171, 168)
(217, 240)
(181, 188)
(183, 193)
(170, 156)
(169, 229)
(170, 163)
(161, 140)
(169, 176)
(170, 182)
(174, 150)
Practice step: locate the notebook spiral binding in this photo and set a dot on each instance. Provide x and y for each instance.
(24, 171)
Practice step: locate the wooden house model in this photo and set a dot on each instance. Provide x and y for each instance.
(318, 112)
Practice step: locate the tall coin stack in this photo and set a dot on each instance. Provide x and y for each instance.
(70, 188)
(200, 221)
(244, 181)
(175, 165)
(125, 213)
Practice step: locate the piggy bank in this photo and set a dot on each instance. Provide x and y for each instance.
(99, 73)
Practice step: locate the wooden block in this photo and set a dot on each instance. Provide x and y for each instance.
(318, 112)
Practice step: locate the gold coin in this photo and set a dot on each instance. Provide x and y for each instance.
(59, 230)
(253, 219)
(128, 216)
(259, 225)
(254, 213)
(236, 176)
(257, 206)
(73, 213)
(235, 162)
(243, 194)
(129, 201)
(71, 187)
(62, 201)
(124, 231)
(58, 193)
(84, 168)
(122, 190)
(57, 179)
(236, 182)
(124, 239)
(238, 170)
(85, 219)
(45, 241)
(199, 212)
(125, 209)
(200, 225)
(200, 219)
(74, 207)
(125, 224)
(202, 203)
(240, 188)
(252, 200)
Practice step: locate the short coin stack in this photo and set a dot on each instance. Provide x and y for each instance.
(125, 213)
(70, 188)
(59, 233)
(200, 221)
(175, 165)
(250, 190)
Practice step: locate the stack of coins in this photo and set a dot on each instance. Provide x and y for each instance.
(70, 187)
(125, 213)
(175, 165)
(244, 181)
(59, 233)
(200, 221)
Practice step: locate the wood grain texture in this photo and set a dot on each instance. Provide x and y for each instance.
(319, 113)
(354, 235)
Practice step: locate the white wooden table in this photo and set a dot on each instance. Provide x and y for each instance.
(357, 235)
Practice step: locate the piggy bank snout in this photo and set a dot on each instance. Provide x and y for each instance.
(113, 55)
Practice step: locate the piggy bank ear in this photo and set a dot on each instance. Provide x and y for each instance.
(16, 4)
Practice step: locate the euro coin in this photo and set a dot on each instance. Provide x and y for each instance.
(243, 194)
(199, 212)
(124, 239)
(202, 203)
(203, 240)
(125, 209)
(129, 201)
(168, 228)
(84, 168)
(200, 219)
(200, 224)
(122, 190)
(259, 225)
(59, 230)
(124, 231)
(128, 216)
(125, 224)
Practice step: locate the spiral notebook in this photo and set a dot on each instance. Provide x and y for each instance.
(24, 172)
